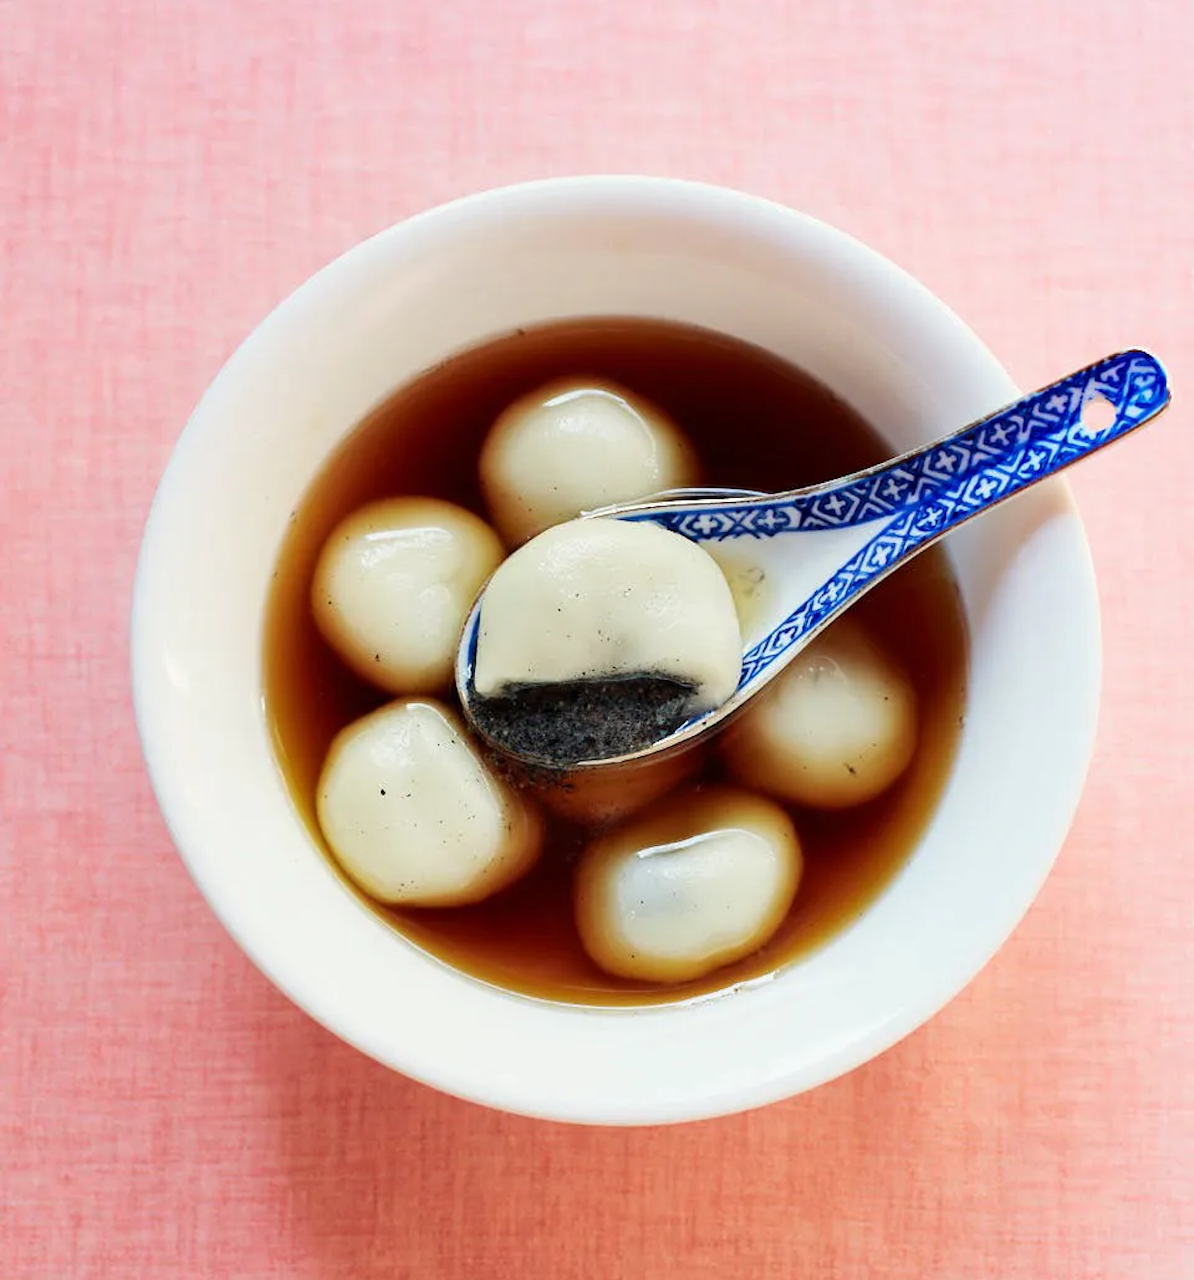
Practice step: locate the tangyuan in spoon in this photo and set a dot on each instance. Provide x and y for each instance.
(635, 631)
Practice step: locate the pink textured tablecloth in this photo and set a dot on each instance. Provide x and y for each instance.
(167, 173)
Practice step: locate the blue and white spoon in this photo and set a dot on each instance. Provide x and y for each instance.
(799, 558)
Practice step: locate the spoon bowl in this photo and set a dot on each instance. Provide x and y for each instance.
(797, 559)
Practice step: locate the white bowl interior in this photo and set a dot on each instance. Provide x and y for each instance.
(442, 282)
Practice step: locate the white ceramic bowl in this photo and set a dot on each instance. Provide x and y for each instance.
(447, 280)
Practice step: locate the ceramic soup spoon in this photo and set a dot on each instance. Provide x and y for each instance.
(796, 560)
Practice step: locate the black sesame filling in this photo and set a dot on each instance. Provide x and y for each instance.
(564, 723)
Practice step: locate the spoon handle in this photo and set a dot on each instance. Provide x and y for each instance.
(925, 494)
(901, 507)
(963, 474)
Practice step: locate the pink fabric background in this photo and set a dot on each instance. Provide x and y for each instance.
(167, 173)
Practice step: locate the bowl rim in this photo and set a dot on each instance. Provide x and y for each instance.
(468, 1080)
